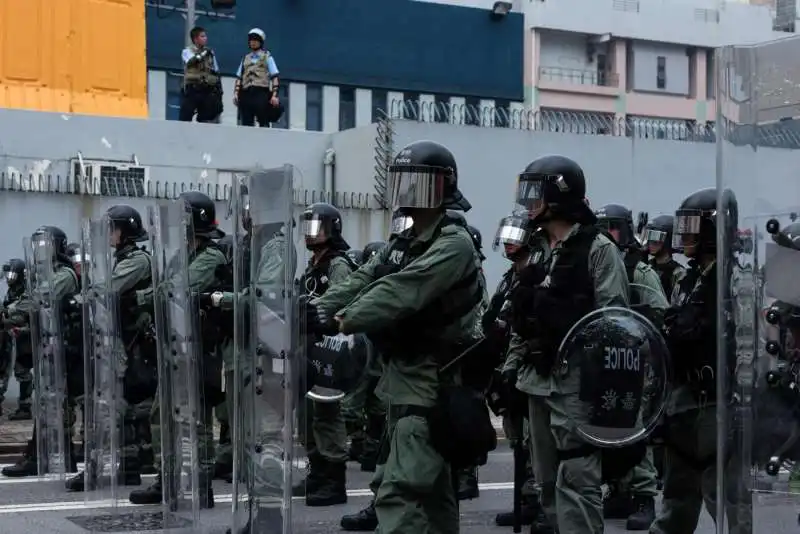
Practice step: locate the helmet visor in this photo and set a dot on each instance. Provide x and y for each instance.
(513, 230)
(530, 192)
(400, 223)
(686, 228)
(11, 277)
(653, 236)
(416, 186)
(315, 226)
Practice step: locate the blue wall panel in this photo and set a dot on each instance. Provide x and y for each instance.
(390, 44)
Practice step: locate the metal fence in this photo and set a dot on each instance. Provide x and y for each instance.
(781, 134)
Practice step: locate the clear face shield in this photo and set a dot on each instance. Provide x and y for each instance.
(315, 228)
(43, 250)
(654, 239)
(416, 186)
(400, 223)
(686, 231)
(513, 233)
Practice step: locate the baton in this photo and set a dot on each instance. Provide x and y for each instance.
(466, 352)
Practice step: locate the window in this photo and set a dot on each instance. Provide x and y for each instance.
(173, 103)
(314, 107)
(661, 72)
(379, 104)
(602, 69)
(441, 108)
(283, 96)
(411, 106)
(347, 108)
(472, 111)
(502, 112)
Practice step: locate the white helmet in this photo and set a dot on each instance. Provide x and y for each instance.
(258, 32)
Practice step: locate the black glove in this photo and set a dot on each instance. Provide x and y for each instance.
(317, 319)
(510, 378)
(204, 299)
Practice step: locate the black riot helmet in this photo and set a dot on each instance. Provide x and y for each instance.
(355, 255)
(129, 223)
(400, 223)
(695, 226)
(247, 221)
(204, 220)
(322, 227)
(424, 175)
(554, 187)
(657, 234)
(76, 257)
(617, 220)
(788, 236)
(56, 234)
(370, 250)
(14, 271)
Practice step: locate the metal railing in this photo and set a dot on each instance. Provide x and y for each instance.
(579, 76)
(784, 134)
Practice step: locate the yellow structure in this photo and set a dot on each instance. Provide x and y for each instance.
(74, 56)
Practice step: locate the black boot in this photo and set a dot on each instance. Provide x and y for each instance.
(206, 492)
(364, 521)
(223, 471)
(23, 413)
(78, 482)
(147, 460)
(313, 477)
(153, 494)
(28, 465)
(644, 513)
(617, 504)
(332, 489)
(467, 484)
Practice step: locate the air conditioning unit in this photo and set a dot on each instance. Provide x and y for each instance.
(110, 178)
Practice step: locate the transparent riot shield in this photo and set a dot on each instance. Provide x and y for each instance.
(177, 315)
(758, 154)
(49, 365)
(104, 355)
(619, 359)
(269, 337)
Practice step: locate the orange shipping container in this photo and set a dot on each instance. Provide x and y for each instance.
(74, 56)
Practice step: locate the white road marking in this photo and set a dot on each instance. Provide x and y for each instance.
(219, 499)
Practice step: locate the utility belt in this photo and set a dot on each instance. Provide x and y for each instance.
(206, 87)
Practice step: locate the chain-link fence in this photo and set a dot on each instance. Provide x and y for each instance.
(778, 134)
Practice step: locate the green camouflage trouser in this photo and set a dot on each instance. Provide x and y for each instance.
(323, 430)
(24, 378)
(364, 415)
(205, 437)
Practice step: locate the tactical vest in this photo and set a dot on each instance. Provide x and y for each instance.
(200, 72)
(315, 280)
(566, 296)
(666, 273)
(254, 70)
(421, 332)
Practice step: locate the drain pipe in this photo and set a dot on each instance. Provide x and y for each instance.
(329, 160)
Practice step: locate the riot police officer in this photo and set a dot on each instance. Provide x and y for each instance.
(433, 262)
(324, 430)
(16, 333)
(206, 263)
(223, 466)
(690, 326)
(633, 499)
(64, 284)
(131, 273)
(657, 237)
(514, 237)
(580, 271)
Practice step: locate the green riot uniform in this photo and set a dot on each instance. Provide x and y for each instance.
(16, 335)
(360, 405)
(203, 269)
(322, 425)
(571, 489)
(414, 489)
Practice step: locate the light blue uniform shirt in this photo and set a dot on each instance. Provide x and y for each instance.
(188, 54)
(272, 67)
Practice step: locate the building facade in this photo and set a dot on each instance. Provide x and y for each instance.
(342, 61)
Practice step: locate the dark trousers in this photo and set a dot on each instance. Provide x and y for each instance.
(202, 99)
(254, 105)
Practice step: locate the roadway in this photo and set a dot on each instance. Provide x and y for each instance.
(35, 506)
